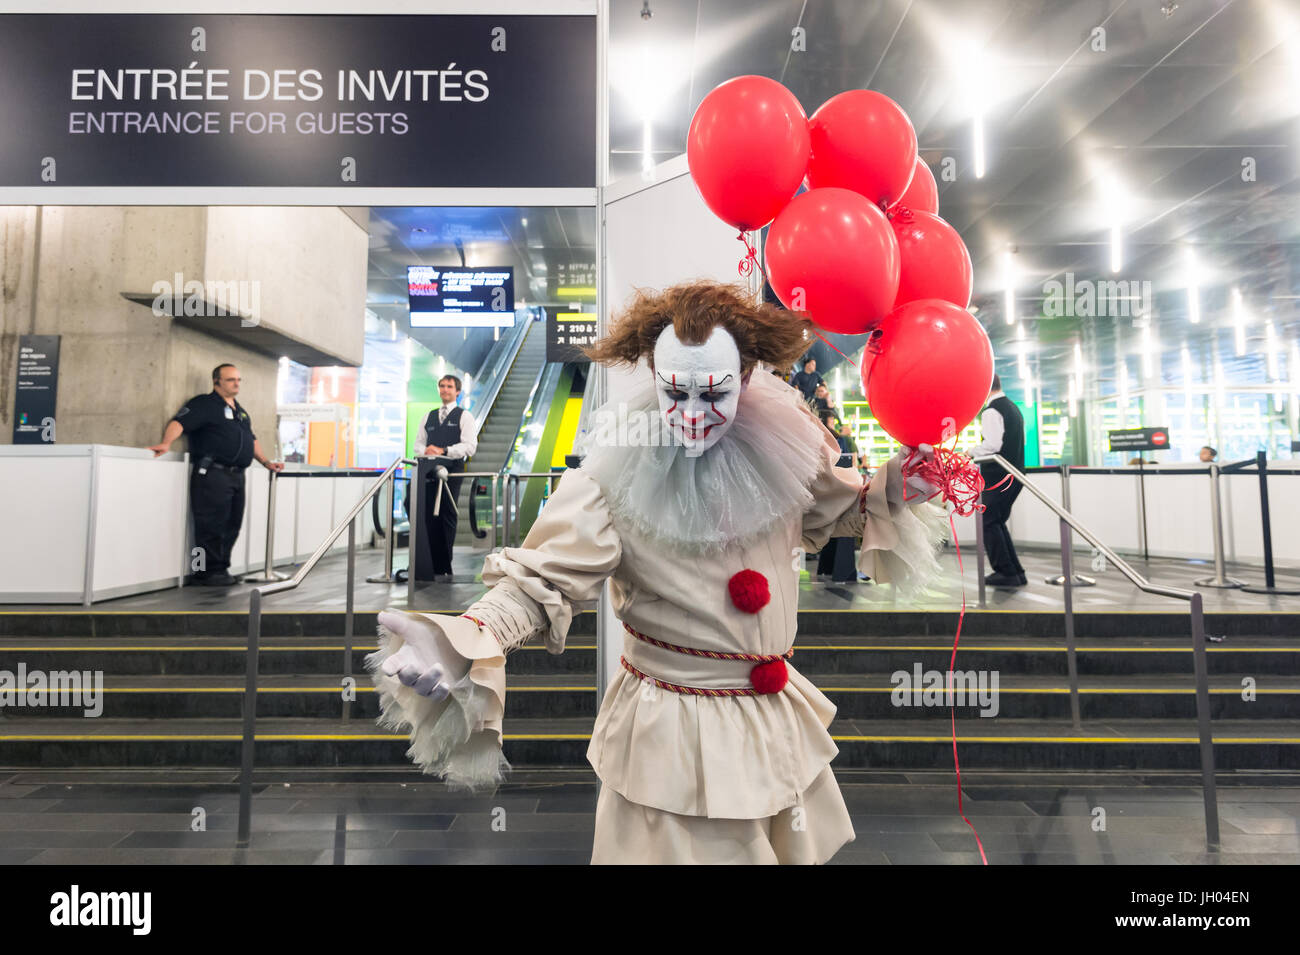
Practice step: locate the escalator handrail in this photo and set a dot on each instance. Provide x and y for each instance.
(381, 528)
(496, 367)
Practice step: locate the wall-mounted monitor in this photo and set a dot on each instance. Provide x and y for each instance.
(446, 297)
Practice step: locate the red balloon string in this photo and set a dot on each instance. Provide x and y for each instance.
(961, 484)
(901, 213)
(952, 708)
(955, 475)
(831, 344)
(750, 261)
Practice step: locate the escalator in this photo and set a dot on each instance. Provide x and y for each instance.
(497, 435)
(515, 394)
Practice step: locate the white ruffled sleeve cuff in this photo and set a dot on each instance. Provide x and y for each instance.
(457, 738)
(900, 540)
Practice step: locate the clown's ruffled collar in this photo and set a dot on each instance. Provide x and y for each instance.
(754, 478)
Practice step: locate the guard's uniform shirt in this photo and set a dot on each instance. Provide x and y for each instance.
(221, 447)
(217, 431)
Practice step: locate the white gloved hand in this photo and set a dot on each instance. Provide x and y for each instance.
(426, 661)
(914, 482)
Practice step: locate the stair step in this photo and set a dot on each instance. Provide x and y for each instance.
(856, 696)
(1267, 659)
(982, 744)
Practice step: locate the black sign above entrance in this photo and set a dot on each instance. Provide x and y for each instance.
(212, 100)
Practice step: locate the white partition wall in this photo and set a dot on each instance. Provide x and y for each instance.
(140, 515)
(1179, 520)
(87, 522)
(45, 513)
(306, 510)
(83, 523)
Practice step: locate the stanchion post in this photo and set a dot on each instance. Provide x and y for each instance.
(1270, 581)
(412, 535)
(268, 568)
(1261, 460)
(1079, 580)
(1142, 506)
(1220, 579)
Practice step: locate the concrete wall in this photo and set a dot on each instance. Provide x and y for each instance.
(310, 266)
(124, 370)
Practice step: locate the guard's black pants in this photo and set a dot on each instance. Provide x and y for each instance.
(838, 559)
(997, 539)
(217, 503)
(440, 531)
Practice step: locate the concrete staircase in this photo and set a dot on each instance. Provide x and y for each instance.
(173, 690)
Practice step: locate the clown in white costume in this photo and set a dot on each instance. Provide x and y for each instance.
(697, 499)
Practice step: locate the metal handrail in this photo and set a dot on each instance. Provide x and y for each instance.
(384, 480)
(1199, 658)
(268, 565)
(499, 371)
(510, 529)
(255, 628)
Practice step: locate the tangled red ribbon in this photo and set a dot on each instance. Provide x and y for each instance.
(956, 476)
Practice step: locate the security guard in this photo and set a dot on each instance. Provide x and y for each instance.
(222, 445)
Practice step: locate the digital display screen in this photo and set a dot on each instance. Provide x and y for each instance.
(454, 297)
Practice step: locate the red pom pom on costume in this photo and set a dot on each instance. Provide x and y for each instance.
(748, 589)
(770, 677)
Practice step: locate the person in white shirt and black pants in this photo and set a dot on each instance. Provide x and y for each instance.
(449, 432)
(1003, 428)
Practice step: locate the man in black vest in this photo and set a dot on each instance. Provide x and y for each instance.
(448, 432)
(1003, 428)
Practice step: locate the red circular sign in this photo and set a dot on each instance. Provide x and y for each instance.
(1159, 437)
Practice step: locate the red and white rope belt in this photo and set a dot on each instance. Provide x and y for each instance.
(768, 675)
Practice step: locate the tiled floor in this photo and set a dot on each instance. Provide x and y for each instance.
(323, 590)
(546, 816)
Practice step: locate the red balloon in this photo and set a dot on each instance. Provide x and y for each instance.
(862, 140)
(922, 194)
(747, 150)
(933, 261)
(928, 372)
(832, 255)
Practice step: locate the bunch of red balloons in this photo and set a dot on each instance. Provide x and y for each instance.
(862, 250)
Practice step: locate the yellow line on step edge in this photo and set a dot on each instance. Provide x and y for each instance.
(365, 737)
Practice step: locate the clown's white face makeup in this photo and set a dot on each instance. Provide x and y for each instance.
(699, 387)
